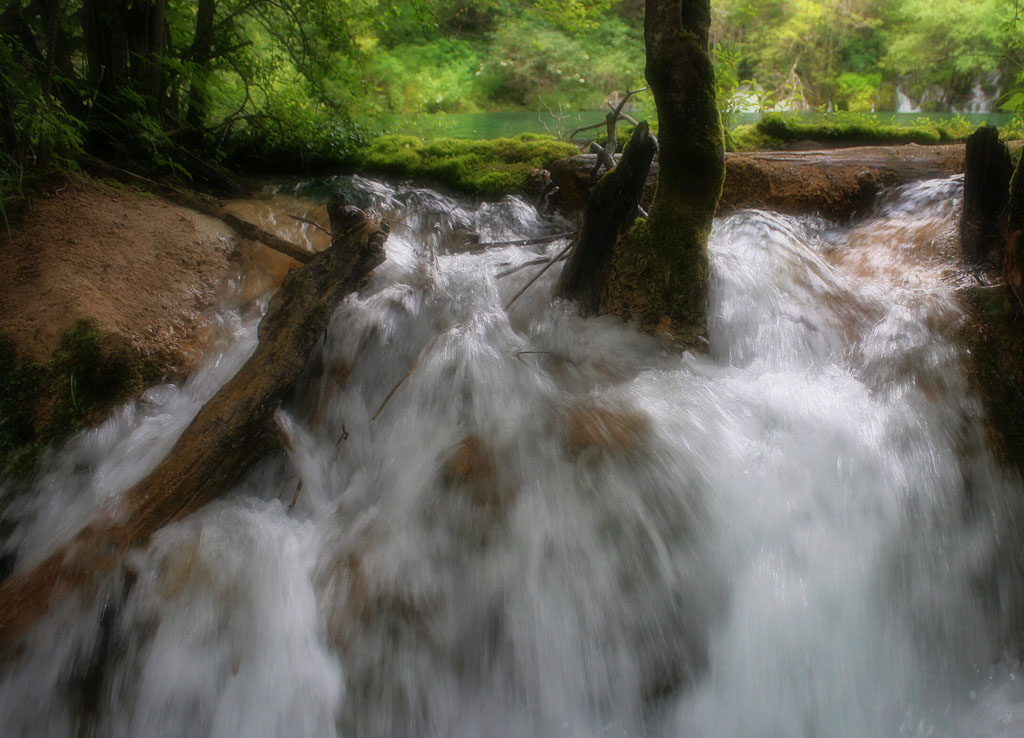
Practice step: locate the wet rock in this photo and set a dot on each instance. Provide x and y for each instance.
(604, 430)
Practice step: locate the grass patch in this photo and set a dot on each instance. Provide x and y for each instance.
(90, 373)
(485, 167)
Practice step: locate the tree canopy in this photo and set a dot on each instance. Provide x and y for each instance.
(294, 84)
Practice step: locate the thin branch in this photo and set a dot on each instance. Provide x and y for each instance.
(558, 257)
(534, 262)
(310, 222)
(522, 242)
(423, 355)
(585, 128)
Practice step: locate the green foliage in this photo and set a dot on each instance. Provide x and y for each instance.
(435, 77)
(858, 93)
(532, 64)
(492, 167)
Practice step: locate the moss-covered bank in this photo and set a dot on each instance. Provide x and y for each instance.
(90, 373)
(491, 167)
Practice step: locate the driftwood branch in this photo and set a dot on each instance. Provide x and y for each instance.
(232, 431)
(309, 221)
(243, 227)
(557, 258)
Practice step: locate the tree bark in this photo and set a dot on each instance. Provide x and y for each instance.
(228, 435)
(987, 171)
(202, 48)
(611, 210)
(659, 270)
(1013, 260)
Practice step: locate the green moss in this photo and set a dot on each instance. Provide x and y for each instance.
(486, 167)
(751, 138)
(846, 130)
(90, 373)
(661, 272)
(776, 130)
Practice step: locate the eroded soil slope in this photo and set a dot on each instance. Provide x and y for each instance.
(139, 266)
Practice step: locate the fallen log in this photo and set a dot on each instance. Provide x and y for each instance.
(228, 435)
(243, 227)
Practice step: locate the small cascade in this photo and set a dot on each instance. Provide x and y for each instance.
(519, 522)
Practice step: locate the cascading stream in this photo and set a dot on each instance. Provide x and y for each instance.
(562, 527)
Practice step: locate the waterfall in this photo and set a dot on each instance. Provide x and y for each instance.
(559, 526)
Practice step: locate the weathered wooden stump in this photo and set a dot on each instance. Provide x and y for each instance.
(987, 173)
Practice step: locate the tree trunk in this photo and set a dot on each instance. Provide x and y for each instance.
(659, 270)
(202, 47)
(228, 435)
(145, 51)
(987, 171)
(611, 210)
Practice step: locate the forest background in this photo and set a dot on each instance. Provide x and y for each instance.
(276, 84)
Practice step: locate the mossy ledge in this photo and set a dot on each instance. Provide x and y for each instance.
(490, 168)
(781, 131)
(90, 373)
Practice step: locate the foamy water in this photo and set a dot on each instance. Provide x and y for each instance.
(562, 527)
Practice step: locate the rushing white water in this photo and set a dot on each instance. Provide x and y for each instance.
(561, 527)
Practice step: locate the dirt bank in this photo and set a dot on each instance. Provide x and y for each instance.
(140, 267)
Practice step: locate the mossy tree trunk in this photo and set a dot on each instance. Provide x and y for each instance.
(659, 271)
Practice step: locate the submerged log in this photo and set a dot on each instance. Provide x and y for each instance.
(611, 210)
(987, 171)
(228, 435)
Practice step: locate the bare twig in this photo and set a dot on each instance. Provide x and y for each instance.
(534, 262)
(522, 242)
(581, 129)
(558, 257)
(521, 354)
(309, 222)
(423, 354)
(295, 496)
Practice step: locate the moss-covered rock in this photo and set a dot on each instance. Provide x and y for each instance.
(91, 372)
(995, 339)
(490, 167)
